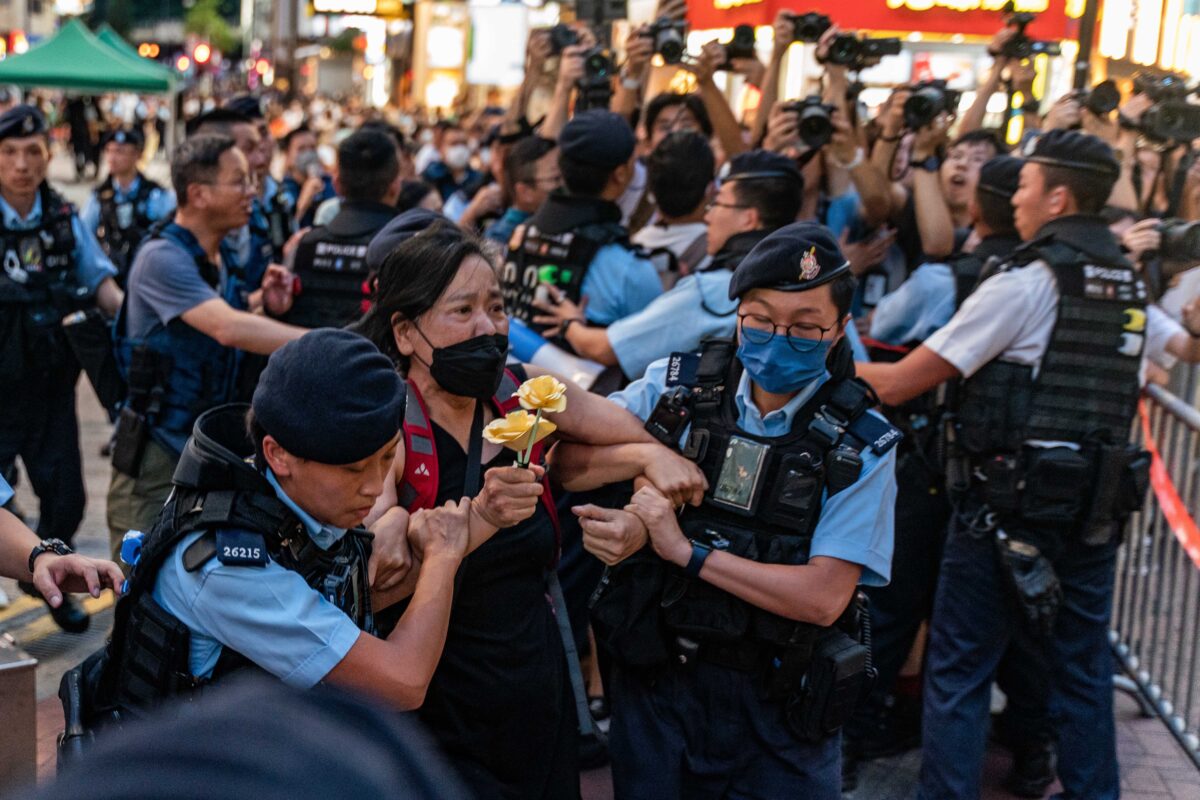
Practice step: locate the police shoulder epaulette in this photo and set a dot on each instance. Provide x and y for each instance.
(876, 433)
(232, 547)
(682, 369)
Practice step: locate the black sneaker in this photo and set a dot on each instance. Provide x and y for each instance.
(1032, 769)
(69, 615)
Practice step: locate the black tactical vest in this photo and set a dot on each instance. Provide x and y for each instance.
(764, 500)
(38, 287)
(334, 285)
(124, 225)
(1087, 387)
(216, 488)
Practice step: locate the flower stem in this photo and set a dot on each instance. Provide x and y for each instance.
(524, 456)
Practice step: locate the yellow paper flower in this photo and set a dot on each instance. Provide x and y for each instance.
(514, 430)
(544, 394)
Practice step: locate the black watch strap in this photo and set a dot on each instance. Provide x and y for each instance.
(57, 546)
(931, 164)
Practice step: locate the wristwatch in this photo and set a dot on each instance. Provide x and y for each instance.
(700, 552)
(930, 164)
(57, 546)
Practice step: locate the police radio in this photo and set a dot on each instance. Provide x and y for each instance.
(671, 416)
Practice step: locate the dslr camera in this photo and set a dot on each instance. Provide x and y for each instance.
(816, 120)
(1172, 118)
(562, 36)
(1102, 99)
(1021, 46)
(740, 46)
(848, 50)
(668, 35)
(595, 87)
(809, 27)
(1180, 240)
(928, 99)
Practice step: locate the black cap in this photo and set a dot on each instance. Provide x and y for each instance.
(22, 120)
(761, 164)
(330, 396)
(133, 136)
(597, 137)
(795, 258)
(218, 116)
(398, 231)
(248, 105)
(1075, 150)
(1000, 175)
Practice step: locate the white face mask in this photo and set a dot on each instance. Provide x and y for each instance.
(485, 157)
(458, 156)
(426, 136)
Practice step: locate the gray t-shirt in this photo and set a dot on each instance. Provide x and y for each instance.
(164, 283)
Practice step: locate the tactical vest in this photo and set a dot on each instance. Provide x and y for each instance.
(194, 371)
(561, 260)
(216, 489)
(764, 500)
(1087, 387)
(38, 287)
(333, 279)
(123, 225)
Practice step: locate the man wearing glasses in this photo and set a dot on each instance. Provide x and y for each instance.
(737, 650)
(52, 266)
(760, 193)
(185, 323)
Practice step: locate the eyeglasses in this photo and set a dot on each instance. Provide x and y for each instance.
(803, 337)
(711, 204)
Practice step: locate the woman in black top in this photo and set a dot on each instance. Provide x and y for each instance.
(500, 702)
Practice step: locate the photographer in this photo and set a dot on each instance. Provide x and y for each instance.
(1021, 73)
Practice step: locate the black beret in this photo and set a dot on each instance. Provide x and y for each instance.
(133, 136)
(248, 105)
(794, 258)
(398, 231)
(23, 120)
(1075, 150)
(330, 396)
(1000, 175)
(597, 137)
(761, 164)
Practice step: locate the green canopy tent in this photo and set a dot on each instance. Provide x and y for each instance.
(114, 40)
(75, 59)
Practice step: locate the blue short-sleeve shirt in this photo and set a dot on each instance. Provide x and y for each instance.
(678, 321)
(856, 524)
(917, 308)
(6, 492)
(618, 283)
(92, 266)
(268, 614)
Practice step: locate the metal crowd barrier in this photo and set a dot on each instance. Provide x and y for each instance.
(1156, 608)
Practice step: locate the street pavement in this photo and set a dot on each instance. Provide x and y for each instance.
(1153, 766)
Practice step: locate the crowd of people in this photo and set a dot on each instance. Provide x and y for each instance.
(832, 393)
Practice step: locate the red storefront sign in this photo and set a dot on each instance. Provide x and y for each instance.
(879, 15)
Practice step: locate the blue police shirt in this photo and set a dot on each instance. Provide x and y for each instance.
(268, 614)
(502, 229)
(618, 283)
(856, 524)
(6, 492)
(696, 309)
(917, 308)
(92, 266)
(291, 188)
(159, 203)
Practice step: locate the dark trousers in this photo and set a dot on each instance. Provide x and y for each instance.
(974, 621)
(40, 426)
(705, 732)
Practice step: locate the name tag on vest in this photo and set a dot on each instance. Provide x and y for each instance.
(241, 549)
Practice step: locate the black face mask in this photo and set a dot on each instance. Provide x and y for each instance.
(473, 368)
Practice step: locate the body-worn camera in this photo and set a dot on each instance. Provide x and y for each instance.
(668, 35)
(740, 46)
(1021, 46)
(816, 123)
(928, 99)
(809, 27)
(848, 50)
(595, 87)
(562, 36)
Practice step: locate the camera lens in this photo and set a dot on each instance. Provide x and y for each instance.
(843, 50)
(816, 128)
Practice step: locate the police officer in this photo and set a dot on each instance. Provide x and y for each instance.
(259, 558)
(271, 223)
(52, 266)
(122, 209)
(331, 260)
(575, 243)
(760, 193)
(186, 321)
(756, 584)
(305, 184)
(1050, 350)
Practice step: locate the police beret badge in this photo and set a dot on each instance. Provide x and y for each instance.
(809, 266)
(28, 124)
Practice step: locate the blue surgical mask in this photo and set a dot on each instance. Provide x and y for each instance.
(778, 368)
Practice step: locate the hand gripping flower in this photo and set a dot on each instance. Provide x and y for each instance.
(520, 430)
